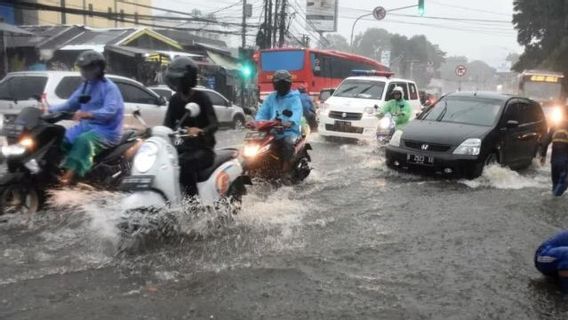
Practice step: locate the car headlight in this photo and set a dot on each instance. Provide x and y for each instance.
(369, 111)
(396, 137)
(557, 116)
(325, 109)
(1, 121)
(13, 150)
(146, 157)
(470, 147)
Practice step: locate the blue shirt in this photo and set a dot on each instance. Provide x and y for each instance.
(106, 106)
(307, 103)
(273, 107)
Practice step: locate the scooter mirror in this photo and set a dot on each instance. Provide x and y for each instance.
(193, 108)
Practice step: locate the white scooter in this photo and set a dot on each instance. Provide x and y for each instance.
(154, 180)
(385, 129)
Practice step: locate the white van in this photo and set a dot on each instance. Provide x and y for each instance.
(350, 111)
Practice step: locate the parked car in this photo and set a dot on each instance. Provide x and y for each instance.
(21, 89)
(464, 132)
(350, 111)
(227, 113)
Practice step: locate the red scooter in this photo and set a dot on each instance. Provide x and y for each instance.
(261, 158)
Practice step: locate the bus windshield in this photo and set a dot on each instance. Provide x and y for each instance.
(542, 91)
(282, 60)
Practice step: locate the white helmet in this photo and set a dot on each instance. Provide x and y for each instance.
(399, 90)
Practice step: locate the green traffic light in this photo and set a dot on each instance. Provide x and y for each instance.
(421, 7)
(246, 71)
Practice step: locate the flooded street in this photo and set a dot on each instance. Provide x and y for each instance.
(354, 241)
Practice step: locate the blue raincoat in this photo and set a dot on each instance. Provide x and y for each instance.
(274, 106)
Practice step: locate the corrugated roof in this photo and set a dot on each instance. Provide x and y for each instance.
(40, 35)
(187, 39)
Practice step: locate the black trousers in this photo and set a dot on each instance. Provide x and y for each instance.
(191, 162)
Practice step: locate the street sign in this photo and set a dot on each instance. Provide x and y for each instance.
(461, 70)
(379, 13)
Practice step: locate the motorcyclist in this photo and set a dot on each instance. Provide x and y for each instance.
(274, 106)
(99, 109)
(398, 107)
(308, 106)
(197, 152)
(558, 136)
(551, 259)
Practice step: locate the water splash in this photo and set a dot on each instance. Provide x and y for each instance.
(498, 177)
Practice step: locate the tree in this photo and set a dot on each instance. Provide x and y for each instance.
(542, 31)
(372, 43)
(416, 58)
(336, 41)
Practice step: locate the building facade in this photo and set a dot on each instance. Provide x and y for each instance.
(116, 13)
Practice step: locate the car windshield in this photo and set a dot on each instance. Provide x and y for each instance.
(360, 89)
(467, 110)
(542, 91)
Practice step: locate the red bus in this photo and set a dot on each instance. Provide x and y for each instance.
(312, 68)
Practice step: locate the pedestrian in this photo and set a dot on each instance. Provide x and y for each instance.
(558, 136)
(551, 259)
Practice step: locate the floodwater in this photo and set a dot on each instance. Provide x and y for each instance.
(354, 241)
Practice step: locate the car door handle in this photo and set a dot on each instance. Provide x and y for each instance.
(527, 136)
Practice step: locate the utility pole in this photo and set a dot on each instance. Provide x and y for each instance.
(282, 25)
(243, 45)
(276, 23)
(84, 13)
(269, 25)
(63, 15)
(116, 13)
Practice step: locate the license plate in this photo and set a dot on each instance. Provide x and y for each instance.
(134, 183)
(419, 159)
(342, 123)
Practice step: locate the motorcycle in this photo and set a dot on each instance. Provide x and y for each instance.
(154, 181)
(33, 156)
(385, 129)
(261, 159)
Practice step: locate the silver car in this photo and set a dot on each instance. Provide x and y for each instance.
(228, 114)
(21, 89)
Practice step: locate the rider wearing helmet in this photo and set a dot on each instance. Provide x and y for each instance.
(196, 153)
(308, 105)
(273, 108)
(99, 109)
(398, 107)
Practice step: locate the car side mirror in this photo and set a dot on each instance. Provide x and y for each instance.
(376, 107)
(512, 124)
(193, 109)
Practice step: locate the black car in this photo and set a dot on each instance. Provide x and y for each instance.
(465, 131)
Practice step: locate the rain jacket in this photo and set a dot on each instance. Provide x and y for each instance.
(307, 103)
(106, 105)
(274, 106)
(400, 110)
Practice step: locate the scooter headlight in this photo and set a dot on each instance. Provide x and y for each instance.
(384, 123)
(146, 157)
(254, 150)
(557, 116)
(13, 150)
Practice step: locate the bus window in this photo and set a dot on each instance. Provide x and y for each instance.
(316, 64)
(282, 60)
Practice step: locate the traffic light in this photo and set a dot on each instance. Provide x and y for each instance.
(247, 70)
(421, 7)
(247, 65)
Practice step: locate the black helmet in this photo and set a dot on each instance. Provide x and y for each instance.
(182, 74)
(282, 75)
(91, 58)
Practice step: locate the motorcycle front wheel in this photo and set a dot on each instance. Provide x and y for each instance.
(19, 199)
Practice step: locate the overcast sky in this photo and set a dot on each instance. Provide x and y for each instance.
(490, 42)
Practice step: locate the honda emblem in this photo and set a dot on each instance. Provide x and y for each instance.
(425, 147)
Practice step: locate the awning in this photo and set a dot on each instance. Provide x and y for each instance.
(147, 55)
(4, 27)
(223, 61)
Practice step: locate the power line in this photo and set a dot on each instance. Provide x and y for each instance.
(450, 18)
(469, 8)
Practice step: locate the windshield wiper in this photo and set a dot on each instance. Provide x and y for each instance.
(443, 113)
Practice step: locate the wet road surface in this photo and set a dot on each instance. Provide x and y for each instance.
(354, 241)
